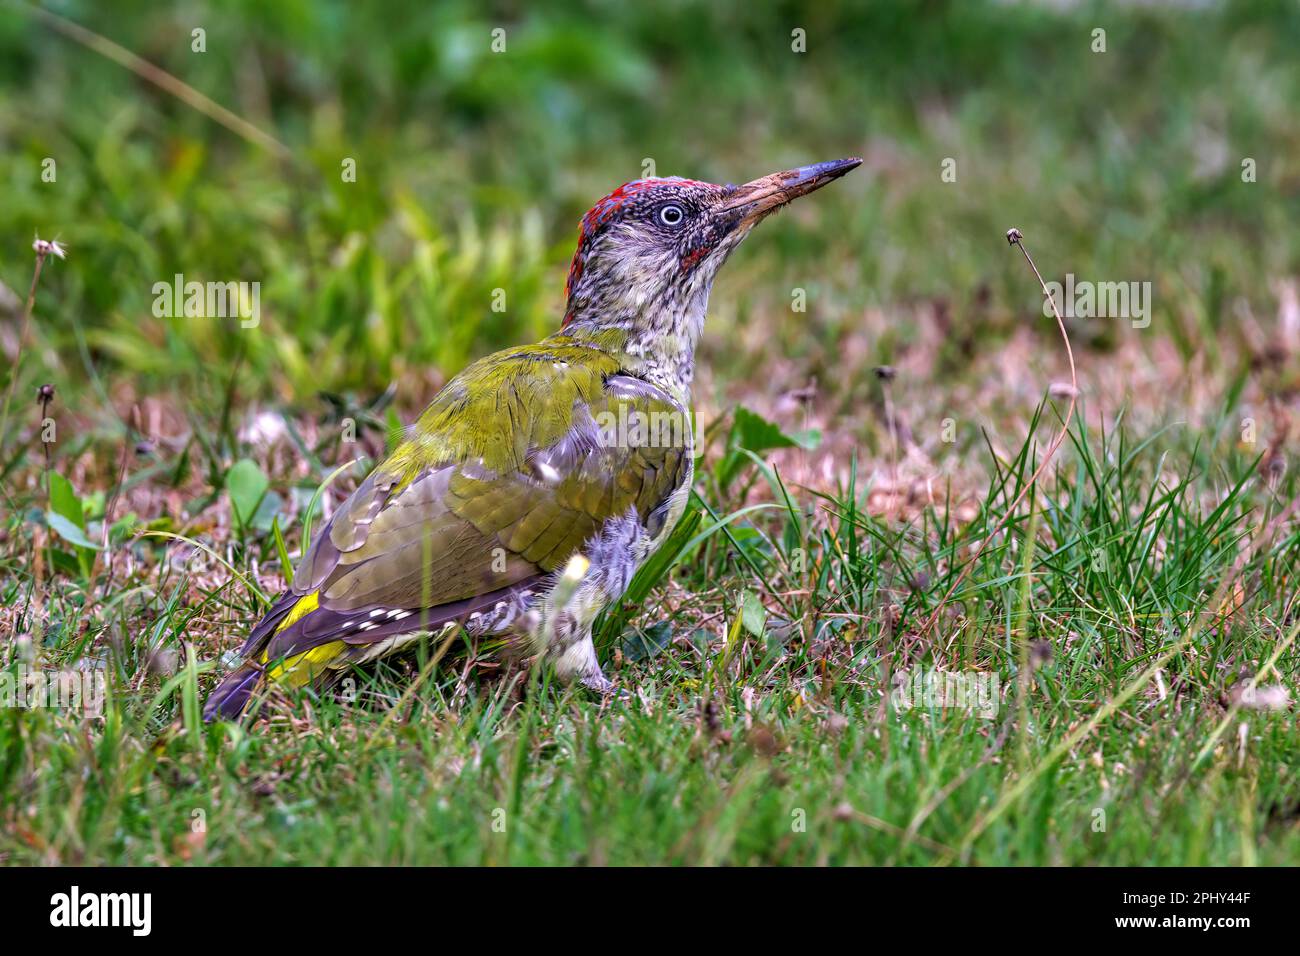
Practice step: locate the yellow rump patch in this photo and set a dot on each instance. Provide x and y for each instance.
(299, 669)
(306, 604)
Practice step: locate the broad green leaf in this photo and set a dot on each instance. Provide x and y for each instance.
(246, 486)
(753, 431)
(641, 645)
(69, 532)
(64, 501)
(753, 613)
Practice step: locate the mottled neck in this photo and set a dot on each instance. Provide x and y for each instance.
(656, 343)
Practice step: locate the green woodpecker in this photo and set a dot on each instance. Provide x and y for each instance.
(579, 445)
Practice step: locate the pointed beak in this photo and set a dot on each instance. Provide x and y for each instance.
(755, 200)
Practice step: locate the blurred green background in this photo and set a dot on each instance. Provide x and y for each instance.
(473, 168)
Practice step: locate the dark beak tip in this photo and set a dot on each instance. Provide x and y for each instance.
(838, 167)
(823, 172)
(808, 179)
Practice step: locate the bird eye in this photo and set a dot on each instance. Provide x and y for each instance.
(671, 215)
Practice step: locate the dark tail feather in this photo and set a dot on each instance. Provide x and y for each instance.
(231, 696)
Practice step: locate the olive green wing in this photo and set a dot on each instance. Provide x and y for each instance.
(518, 463)
(624, 453)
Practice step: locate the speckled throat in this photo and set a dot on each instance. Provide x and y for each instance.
(658, 347)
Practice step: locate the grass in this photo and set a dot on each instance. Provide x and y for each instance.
(1124, 606)
(754, 741)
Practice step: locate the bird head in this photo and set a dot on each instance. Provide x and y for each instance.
(648, 252)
